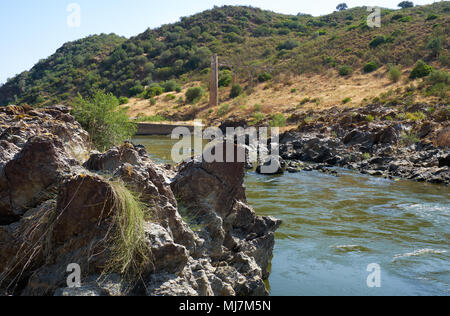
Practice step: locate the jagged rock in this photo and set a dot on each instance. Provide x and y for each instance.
(32, 173)
(55, 212)
(347, 143)
(214, 195)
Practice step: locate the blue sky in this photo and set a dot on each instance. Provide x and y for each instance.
(34, 29)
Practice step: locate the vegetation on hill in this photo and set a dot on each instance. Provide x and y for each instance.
(253, 44)
(72, 69)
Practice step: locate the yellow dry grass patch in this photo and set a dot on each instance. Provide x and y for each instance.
(282, 95)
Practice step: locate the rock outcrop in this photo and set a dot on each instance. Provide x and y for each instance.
(59, 206)
(371, 141)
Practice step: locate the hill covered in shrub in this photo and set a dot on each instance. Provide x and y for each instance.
(253, 44)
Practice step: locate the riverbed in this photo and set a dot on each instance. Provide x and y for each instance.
(335, 227)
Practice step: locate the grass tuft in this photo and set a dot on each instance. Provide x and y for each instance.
(129, 252)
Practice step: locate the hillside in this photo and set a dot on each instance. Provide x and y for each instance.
(263, 50)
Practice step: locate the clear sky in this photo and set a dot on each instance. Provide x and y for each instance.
(34, 29)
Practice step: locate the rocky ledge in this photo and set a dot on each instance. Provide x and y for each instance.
(410, 143)
(58, 205)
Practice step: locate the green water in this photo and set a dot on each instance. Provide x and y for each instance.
(333, 228)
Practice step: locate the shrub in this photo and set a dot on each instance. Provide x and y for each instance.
(396, 17)
(123, 100)
(395, 74)
(257, 118)
(154, 91)
(415, 117)
(409, 139)
(258, 107)
(378, 40)
(432, 16)
(194, 94)
(370, 118)
(345, 70)
(264, 77)
(223, 110)
(421, 70)
(236, 91)
(435, 45)
(304, 101)
(438, 83)
(406, 19)
(137, 89)
(170, 86)
(346, 100)
(225, 78)
(104, 119)
(154, 118)
(370, 67)
(152, 101)
(288, 45)
(278, 120)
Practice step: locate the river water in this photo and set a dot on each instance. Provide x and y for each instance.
(335, 227)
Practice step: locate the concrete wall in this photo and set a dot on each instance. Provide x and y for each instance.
(146, 129)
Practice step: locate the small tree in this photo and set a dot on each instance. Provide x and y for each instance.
(236, 91)
(395, 73)
(421, 70)
(406, 4)
(435, 45)
(342, 7)
(104, 119)
(194, 94)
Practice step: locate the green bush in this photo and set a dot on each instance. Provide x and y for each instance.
(278, 120)
(137, 89)
(432, 16)
(435, 45)
(123, 100)
(406, 19)
(264, 77)
(236, 91)
(104, 119)
(346, 100)
(395, 74)
(154, 91)
(170, 86)
(225, 78)
(421, 70)
(370, 67)
(223, 110)
(194, 94)
(345, 70)
(438, 82)
(288, 45)
(377, 41)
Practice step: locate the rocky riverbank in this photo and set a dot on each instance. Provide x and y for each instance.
(392, 142)
(59, 205)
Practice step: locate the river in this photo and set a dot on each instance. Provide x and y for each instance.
(335, 227)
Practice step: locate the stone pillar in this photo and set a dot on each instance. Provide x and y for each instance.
(214, 83)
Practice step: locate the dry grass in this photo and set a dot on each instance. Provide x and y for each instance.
(283, 96)
(129, 252)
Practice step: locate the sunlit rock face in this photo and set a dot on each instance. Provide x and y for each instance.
(58, 207)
